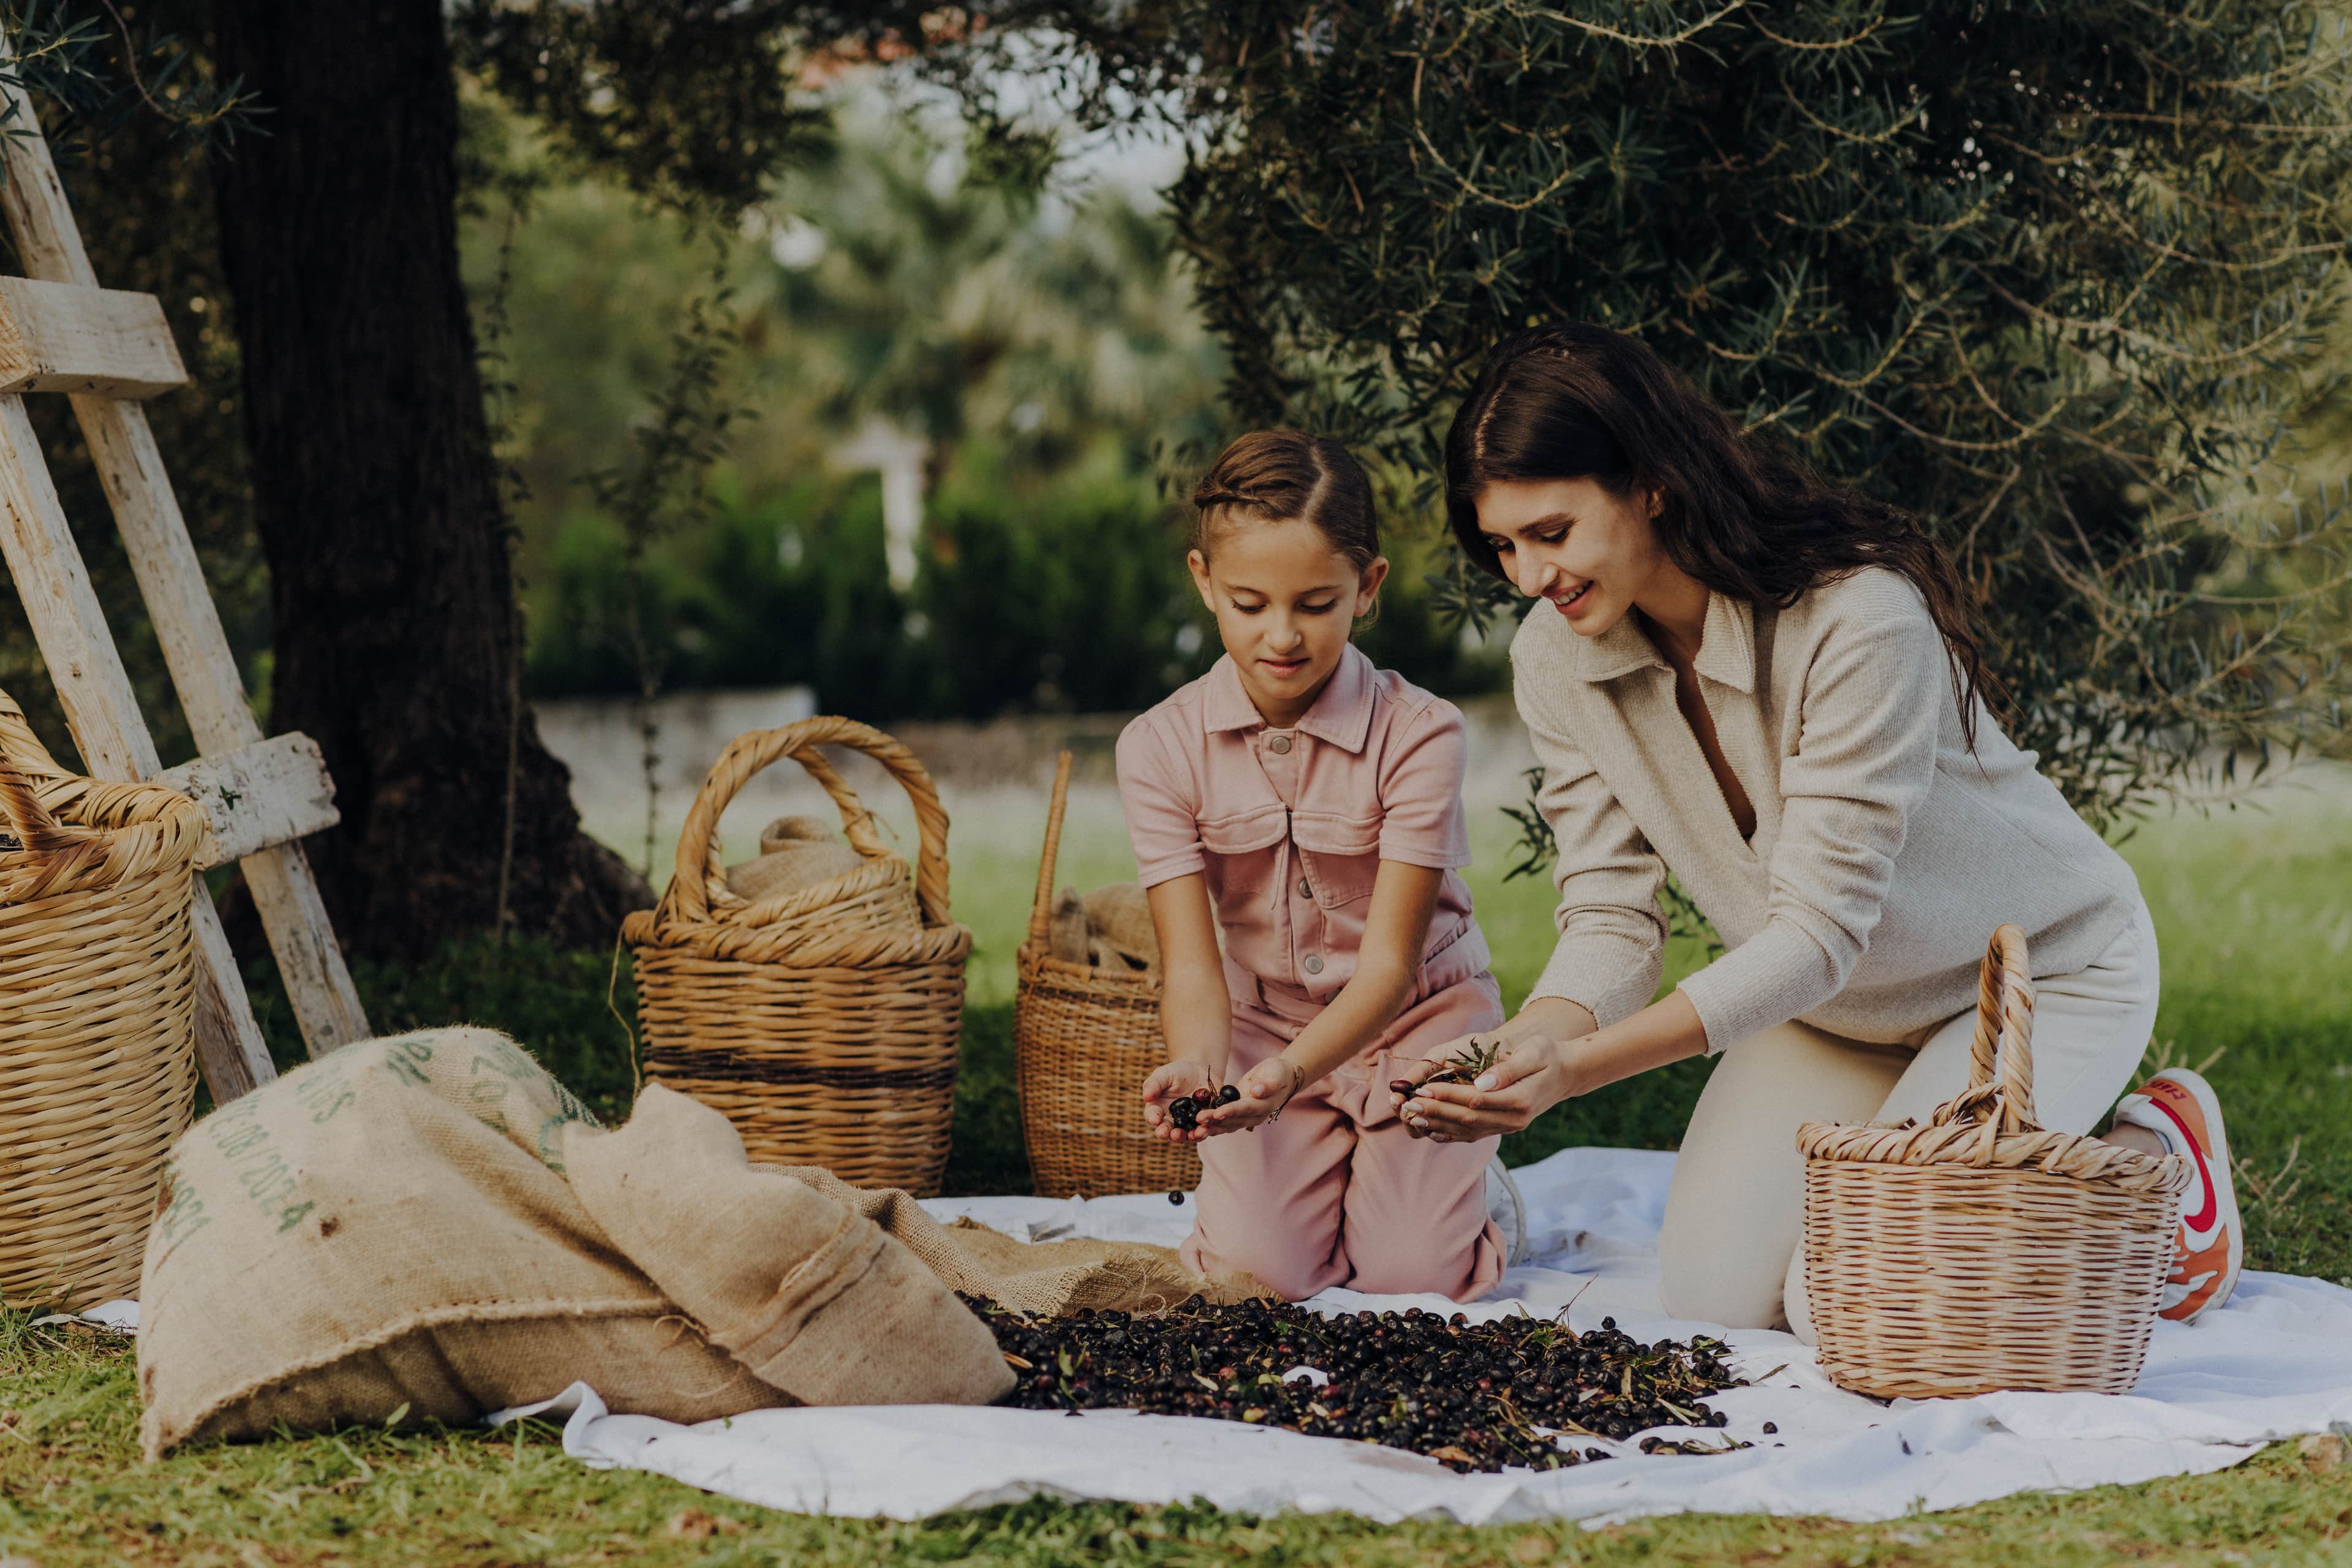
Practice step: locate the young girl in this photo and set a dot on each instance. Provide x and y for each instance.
(1308, 807)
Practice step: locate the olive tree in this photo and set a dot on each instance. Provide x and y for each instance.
(2054, 277)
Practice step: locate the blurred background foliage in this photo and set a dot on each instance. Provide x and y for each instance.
(1043, 345)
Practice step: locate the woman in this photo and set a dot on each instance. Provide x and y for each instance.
(1771, 688)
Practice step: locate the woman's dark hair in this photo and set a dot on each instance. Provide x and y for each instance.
(1284, 476)
(1737, 512)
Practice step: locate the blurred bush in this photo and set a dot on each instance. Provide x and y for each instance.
(1066, 593)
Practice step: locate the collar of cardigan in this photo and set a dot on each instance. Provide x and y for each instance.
(1341, 714)
(1726, 646)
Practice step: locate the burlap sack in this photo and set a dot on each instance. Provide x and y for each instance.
(855, 1319)
(1068, 935)
(1109, 928)
(390, 1232)
(1042, 1278)
(795, 852)
(1118, 918)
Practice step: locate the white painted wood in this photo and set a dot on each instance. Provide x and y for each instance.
(187, 622)
(268, 793)
(92, 686)
(171, 579)
(229, 1042)
(62, 337)
(302, 940)
(102, 711)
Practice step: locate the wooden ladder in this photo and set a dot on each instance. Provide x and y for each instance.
(59, 332)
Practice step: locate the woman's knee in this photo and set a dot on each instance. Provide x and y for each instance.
(1734, 1293)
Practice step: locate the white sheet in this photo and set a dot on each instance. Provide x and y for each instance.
(2276, 1363)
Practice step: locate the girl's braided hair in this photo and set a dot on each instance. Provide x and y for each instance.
(1288, 476)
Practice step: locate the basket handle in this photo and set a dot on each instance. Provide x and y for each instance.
(18, 742)
(1040, 912)
(2004, 1040)
(23, 759)
(700, 871)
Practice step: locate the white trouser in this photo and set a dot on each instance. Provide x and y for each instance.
(1728, 1252)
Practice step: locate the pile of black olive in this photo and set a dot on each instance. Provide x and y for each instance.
(1476, 1396)
(1185, 1109)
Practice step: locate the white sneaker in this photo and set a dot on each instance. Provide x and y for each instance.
(2179, 1106)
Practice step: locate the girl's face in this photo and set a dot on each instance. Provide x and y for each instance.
(1591, 553)
(1284, 601)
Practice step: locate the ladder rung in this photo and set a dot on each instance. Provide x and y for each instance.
(271, 792)
(61, 337)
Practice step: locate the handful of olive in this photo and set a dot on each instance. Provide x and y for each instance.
(1185, 1111)
(1462, 1068)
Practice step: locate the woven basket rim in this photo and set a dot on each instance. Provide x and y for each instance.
(71, 834)
(884, 947)
(2073, 1154)
(728, 907)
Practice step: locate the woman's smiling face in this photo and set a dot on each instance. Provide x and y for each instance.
(1285, 601)
(1591, 553)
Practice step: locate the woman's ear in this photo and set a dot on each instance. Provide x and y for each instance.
(1368, 585)
(1200, 565)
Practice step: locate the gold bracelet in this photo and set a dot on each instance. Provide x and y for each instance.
(1297, 1081)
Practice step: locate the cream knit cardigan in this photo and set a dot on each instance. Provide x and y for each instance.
(1884, 852)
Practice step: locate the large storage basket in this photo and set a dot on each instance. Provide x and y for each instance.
(1979, 1250)
(823, 1021)
(97, 1072)
(1084, 1039)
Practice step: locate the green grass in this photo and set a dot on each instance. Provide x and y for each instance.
(72, 1494)
(2254, 912)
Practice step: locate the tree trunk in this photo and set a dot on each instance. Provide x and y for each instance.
(376, 493)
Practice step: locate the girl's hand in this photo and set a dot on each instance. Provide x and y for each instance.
(1174, 1081)
(1532, 1077)
(1266, 1089)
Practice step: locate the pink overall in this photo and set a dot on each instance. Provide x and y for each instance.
(1288, 827)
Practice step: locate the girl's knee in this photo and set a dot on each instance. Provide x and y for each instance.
(1412, 1265)
(1294, 1265)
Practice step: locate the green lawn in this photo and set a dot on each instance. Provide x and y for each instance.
(2254, 910)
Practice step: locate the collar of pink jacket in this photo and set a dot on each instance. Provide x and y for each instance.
(1342, 713)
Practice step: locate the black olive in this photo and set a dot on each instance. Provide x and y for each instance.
(1228, 1094)
(1412, 1380)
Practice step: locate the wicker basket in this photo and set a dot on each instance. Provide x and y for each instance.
(1084, 1039)
(823, 1021)
(1979, 1250)
(98, 1068)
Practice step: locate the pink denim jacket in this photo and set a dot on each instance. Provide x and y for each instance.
(1289, 826)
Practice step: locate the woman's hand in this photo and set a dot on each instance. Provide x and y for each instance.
(1174, 1081)
(1266, 1089)
(1530, 1077)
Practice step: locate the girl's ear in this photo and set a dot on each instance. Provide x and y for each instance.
(1200, 565)
(1368, 586)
